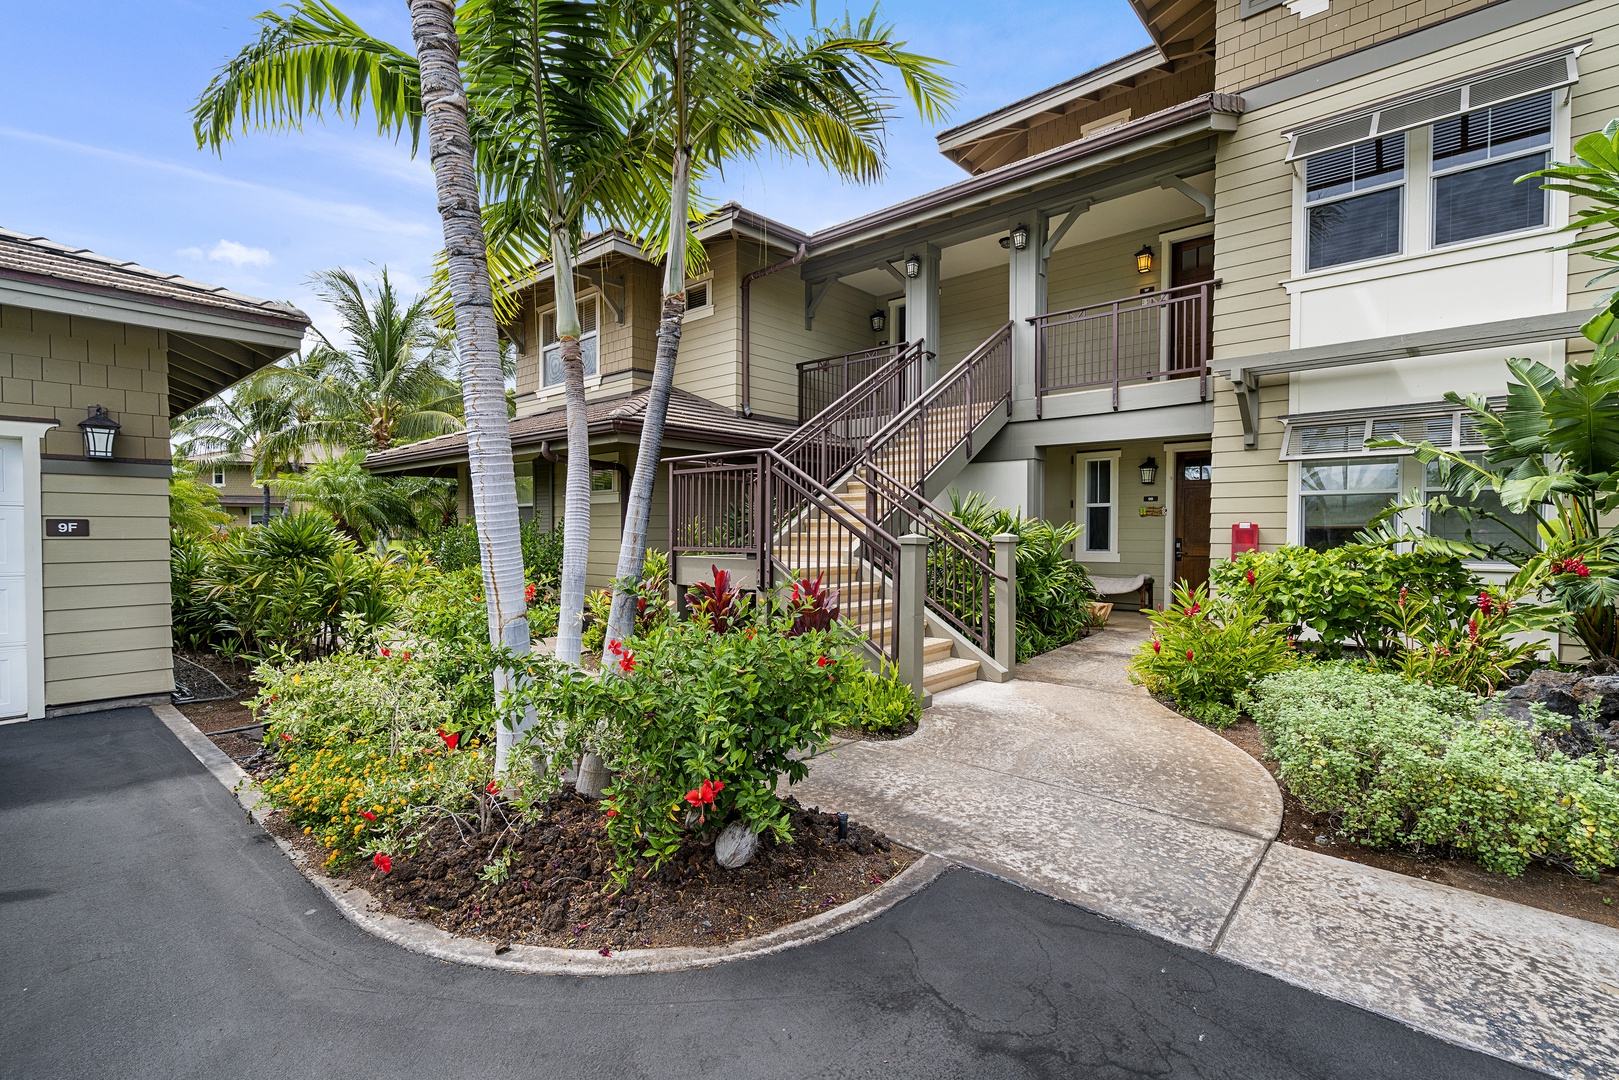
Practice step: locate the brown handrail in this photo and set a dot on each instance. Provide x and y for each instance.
(1147, 337)
(829, 444)
(815, 395)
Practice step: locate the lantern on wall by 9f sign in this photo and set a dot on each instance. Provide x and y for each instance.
(99, 431)
(1144, 259)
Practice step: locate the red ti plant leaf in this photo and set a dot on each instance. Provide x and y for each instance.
(815, 605)
(719, 601)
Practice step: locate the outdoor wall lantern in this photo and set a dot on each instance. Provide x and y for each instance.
(878, 321)
(1144, 259)
(1149, 471)
(1020, 237)
(99, 430)
(913, 267)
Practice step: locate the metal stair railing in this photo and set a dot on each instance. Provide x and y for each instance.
(823, 381)
(961, 572)
(757, 503)
(830, 442)
(943, 417)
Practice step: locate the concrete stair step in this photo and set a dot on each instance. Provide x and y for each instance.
(936, 648)
(943, 674)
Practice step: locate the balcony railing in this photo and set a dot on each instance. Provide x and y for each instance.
(1147, 338)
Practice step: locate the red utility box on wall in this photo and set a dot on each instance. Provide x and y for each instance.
(1244, 537)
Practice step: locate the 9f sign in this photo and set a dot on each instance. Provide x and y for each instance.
(67, 528)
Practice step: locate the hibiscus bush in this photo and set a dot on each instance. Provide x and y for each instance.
(683, 706)
(1207, 653)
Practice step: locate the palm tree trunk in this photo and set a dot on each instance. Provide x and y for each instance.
(576, 499)
(489, 437)
(638, 516)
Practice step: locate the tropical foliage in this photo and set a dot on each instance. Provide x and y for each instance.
(1055, 598)
(193, 505)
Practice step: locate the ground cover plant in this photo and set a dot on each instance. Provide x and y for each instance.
(1055, 598)
(1400, 763)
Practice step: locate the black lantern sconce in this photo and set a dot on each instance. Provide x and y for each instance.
(1144, 259)
(1149, 471)
(913, 267)
(99, 431)
(878, 321)
(1020, 237)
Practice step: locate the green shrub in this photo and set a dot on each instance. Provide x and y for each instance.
(875, 701)
(1055, 597)
(295, 588)
(365, 763)
(651, 603)
(455, 547)
(1345, 594)
(1397, 762)
(1466, 647)
(1207, 654)
(686, 705)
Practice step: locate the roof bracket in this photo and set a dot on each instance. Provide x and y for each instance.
(1246, 385)
(603, 283)
(814, 293)
(1062, 230)
(1175, 183)
(893, 270)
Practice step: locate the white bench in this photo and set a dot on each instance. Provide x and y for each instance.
(1141, 585)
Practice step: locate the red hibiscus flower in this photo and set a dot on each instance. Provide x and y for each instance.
(452, 739)
(382, 862)
(493, 787)
(703, 795)
(824, 661)
(385, 650)
(368, 815)
(626, 663)
(612, 813)
(285, 736)
(615, 648)
(530, 591)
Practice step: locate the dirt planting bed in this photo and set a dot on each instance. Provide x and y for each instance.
(1547, 887)
(556, 889)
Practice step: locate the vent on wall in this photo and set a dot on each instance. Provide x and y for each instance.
(697, 296)
(1522, 79)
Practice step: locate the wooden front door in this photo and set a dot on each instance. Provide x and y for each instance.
(1191, 262)
(1192, 483)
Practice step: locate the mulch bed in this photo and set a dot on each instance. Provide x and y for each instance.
(558, 894)
(1545, 887)
(212, 716)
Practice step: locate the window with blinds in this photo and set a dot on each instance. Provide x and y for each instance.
(1321, 436)
(1477, 157)
(551, 347)
(1354, 197)
(697, 296)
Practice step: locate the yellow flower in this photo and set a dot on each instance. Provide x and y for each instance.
(308, 829)
(377, 809)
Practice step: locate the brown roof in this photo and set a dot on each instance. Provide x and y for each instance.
(691, 418)
(25, 257)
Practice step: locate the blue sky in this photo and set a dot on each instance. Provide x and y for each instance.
(96, 147)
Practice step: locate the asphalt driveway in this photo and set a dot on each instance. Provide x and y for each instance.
(147, 929)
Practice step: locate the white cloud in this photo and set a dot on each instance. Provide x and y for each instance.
(239, 255)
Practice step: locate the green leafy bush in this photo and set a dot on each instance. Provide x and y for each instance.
(1345, 595)
(295, 588)
(370, 747)
(1397, 762)
(1055, 598)
(687, 706)
(1468, 648)
(1207, 653)
(875, 701)
(456, 548)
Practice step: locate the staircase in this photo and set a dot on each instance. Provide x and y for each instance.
(834, 497)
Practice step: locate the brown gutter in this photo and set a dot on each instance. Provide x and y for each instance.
(747, 320)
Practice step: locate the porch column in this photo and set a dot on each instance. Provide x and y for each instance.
(1026, 297)
(922, 308)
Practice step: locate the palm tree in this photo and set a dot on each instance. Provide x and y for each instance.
(303, 61)
(391, 386)
(365, 506)
(725, 83)
(247, 423)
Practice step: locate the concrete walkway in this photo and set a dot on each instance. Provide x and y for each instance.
(1073, 782)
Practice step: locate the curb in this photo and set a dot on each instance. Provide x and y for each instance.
(354, 903)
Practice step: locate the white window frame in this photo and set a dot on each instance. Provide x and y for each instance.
(1403, 183)
(707, 308)
(1416, 211)
(589, 297)
(1082, 470)
(1435, 174)
(219, 476)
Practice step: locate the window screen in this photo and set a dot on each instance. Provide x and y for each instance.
(1346, 225)
(1338, 498)
(1099, 504)
(1509, 532)
(1476, 159)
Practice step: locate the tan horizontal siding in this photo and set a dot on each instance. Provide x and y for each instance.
(780, 343)
(83, 597)
(1248, 485)
(126, 684)
(94, 616)
(971, 308)
(709, 365)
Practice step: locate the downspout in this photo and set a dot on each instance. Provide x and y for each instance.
(623, 472)
(747, 320)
